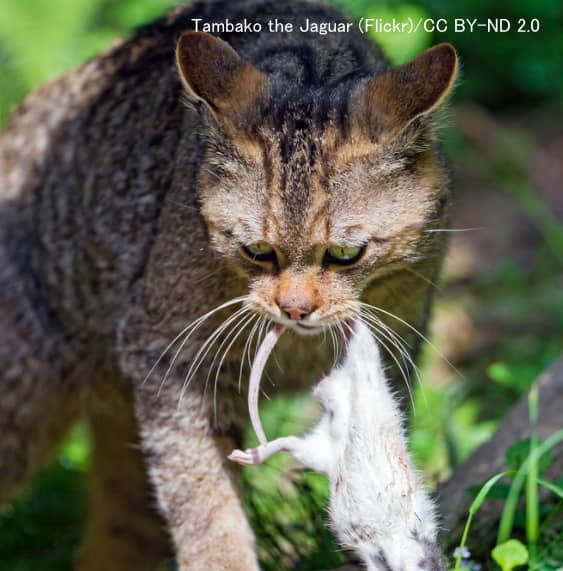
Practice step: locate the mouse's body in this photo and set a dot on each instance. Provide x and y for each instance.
(378, 506)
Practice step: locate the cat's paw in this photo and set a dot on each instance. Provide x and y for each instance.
(245, 457)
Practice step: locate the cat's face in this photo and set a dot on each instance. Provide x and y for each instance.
(312, 229)
(313, 205)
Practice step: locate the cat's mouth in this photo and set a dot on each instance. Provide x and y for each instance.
(302, 327)
(308, 328)
(305, 328)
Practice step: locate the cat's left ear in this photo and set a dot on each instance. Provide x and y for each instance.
(212, 71)
(393, 100)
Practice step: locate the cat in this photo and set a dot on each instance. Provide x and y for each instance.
(378, 507)
(250, 179)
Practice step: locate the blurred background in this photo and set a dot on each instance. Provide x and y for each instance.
(499, 312)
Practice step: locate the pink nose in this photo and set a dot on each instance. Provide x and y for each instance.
(296, 313)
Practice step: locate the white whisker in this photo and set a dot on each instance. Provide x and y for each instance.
(422, 277)
(342, 333)
(263, 330)
(400, 367)
(204, 350)
(182, 205)
(192, 324)
(332, 338)
(240, 329)
(242, 316)
(455, 229)
(207, 276)
(414, 330)
(396, 340)
(263, 325)
(246, 350)
(181, 347)
(209, 171)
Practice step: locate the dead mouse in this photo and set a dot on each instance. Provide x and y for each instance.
(378, 506)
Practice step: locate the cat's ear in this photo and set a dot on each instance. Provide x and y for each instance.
(392, 100)
(213, 72)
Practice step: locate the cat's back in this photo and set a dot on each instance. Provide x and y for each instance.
(139, 74)
(122, 113)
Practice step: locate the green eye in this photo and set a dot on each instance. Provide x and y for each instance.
(260, 252)
(344, 255)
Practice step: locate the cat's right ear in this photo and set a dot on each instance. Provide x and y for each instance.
(213, 72)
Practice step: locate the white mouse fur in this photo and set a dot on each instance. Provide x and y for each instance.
(378, 506)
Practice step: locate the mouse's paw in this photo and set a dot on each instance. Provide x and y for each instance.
(247, 457)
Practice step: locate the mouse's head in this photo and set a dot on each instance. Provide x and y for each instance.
(409, 554)
(400, 538)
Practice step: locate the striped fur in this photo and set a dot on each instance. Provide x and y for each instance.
(122, 210)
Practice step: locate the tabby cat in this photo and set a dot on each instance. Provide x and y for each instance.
(253, 178)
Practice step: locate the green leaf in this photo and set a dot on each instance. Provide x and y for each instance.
(509, 510)
(510, 554)
(519, 451)
(476, 503)
(500, 373)
(557, 490)
(499, 492)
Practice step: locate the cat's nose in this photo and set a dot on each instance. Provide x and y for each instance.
(296, 313)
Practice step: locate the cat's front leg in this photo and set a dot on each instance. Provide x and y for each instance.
(197, 494)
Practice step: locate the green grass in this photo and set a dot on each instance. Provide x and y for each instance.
(286, 505)
(508, 551)
(41, 530)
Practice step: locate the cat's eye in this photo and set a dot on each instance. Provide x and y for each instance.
(343, 255)
(260, 252)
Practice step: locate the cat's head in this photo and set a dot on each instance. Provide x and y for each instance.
(315, 193)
